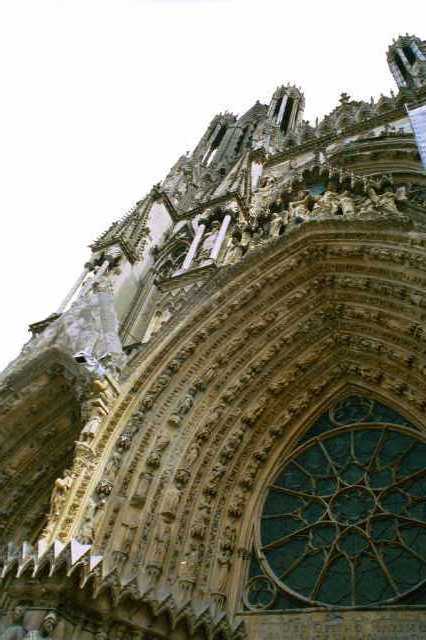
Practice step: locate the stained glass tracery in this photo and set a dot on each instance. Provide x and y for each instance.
(344, 522)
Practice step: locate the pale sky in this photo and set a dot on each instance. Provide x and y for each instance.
(100, 98)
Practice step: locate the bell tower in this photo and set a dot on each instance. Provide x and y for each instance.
(286, 108)
(407, 61)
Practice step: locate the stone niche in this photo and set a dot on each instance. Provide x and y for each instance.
(389, 624)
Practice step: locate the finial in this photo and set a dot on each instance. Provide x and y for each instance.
(344, 98)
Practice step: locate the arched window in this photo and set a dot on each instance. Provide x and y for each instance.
(343, 522)
(408, 52)
(402, 69)
(211, 152)
(285, 122)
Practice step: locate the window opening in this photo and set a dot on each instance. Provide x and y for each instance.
(277, 107)
(408, 52)
(287, 114)
(402, 69)
(241, 140)
(215, 145)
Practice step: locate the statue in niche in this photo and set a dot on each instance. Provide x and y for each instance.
(129, 525)
(189, 566)
(161, 542)
(92, 517)
(171, 503)
(60, 489)
(46, 629)
(222, 572)
(15, 630)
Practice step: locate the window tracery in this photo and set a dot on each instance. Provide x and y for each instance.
(344, 521)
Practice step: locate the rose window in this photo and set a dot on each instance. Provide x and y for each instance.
(344, 521)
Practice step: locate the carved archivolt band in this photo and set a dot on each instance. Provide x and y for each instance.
(260, 354)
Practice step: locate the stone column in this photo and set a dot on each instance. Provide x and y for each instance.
(72, 292)
(192, 249)
(220, 237)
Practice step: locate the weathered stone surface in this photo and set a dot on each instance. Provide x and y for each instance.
(275, 272)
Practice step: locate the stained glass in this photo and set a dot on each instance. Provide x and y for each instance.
(344, 522)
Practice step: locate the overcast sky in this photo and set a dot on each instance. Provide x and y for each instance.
(100, 97)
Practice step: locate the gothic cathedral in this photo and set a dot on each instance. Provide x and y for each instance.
(221, 432)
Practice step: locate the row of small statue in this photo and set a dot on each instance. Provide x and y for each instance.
(307, 207)
(17, 631)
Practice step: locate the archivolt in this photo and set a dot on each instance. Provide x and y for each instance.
(249, 364)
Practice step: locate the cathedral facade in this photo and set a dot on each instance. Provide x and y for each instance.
(220, 434)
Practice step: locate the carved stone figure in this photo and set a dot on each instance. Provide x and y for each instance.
(142, 488)
(276, 225)
(387, 202)
(15, 630)
(327, 203)
(113, 466)
(184, 407)
(189, 566)
(161, 543)
(47, 628)
(129, 525)
(237, 503)
(160, 445)
(171, 503)
(60, 489)
(91, 427)
(222, 573)
(234, 252)
(347, 204)
(199, 526)
(192, 455)
(298, 209)
(86, 533)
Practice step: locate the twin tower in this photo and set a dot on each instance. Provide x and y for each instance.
(275, 124)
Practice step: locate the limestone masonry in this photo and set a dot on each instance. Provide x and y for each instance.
(220, 433)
